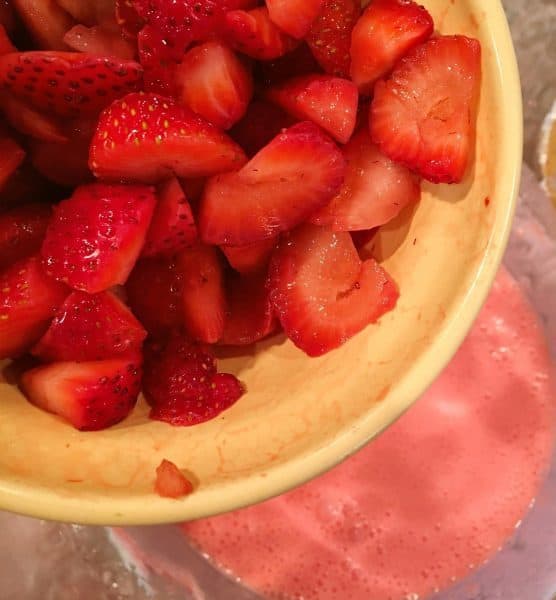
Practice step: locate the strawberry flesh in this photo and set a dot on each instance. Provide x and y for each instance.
(171, 482)
(251, 258)
(295, 17)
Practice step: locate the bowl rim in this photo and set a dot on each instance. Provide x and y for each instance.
(31, 500)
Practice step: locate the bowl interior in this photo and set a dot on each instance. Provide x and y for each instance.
(301, 415)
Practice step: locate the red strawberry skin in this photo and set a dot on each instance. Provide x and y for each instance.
(91, 327)
(170, 481)
(295, 17)
(251, 258)
(28, 300)
(386, 31)
(182, 385)
(12, 156)
(322, 292)
(375, 189)
(95, 237)
(147, 138)
(290, 178)
(84, 84)
(424, 115)
(90, 395)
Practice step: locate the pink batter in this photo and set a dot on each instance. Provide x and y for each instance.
(430, 499)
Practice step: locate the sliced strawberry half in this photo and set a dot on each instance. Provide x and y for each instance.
(172, 227)
(91, 327)
(251, 258)
(95, 237)
(213, 82)
(424, 116)
(12, 156)
(386, 31)
(330, 102)
(322, 292)
(45, 20)
(290, 178)
(171, 482)
(29, 298)
(295, 17)
(375, 189)
(148, 138)
(90, 395)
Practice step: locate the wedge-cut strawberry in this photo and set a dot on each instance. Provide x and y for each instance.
(250, 315)
(251, 258)
(182, 385)
(289, 179)
(295, 17)
(330, 35)
(154, 293)
(386, 31)
(375, 189)
(299, 61)
(322, 292)
(100, 40)
(68, 84)
(203, 295)
(45, 20)
(253, 33)
(172, 227)
(213, 82)
(22, 231)
(171, 482)
(148, 138)
(330, 102)
(424, 115)
(6, 46)
(91, 327)
(12, 156)
(90, 395)
(95, 237)
(28, 300)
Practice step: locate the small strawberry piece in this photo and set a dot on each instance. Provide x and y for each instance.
(295, 17)
(182, 386)
(148, 138)
(45, 20)
(214, 83)
(91, 327)
(330, 102)
(172, 227)
(171, 482)
(298, 61)
(322, 292)
(95, 237)
(90, 395)
(28, 300)
(289, 179)
(203, 295)
(128, 19)
(375, 189)
(104, 40)
(253, 33)
(386, 31)
(251, 258)
(424, 115)
(154, 293)
(22, 231)
(6, 46)
(330, 35)
(68, 84)
(11, 157)
(250, 315)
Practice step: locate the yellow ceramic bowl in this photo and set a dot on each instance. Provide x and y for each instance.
(301, 416)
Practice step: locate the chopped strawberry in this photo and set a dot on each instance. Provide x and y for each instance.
(28, 300)
(172, 227)
(148, 138)
(22, 231)
(424, 115)
(295, 17)
(330, 35)
(100, 40)
(90, 395)
(386, 31)
(11, 157)
(253, 33)
(45, 20)
(375, 189)
(182, 386)
(91, 327)
(322, 292)
(290, 178)
(299, 61)
(95, 237)
(154, 293)
(68, 84)
(6, 46)
(250, 258)
(203, 295)
(171, 482)
(213, 82)
(330, 102)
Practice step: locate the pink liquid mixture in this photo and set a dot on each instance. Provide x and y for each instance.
(433, 497)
